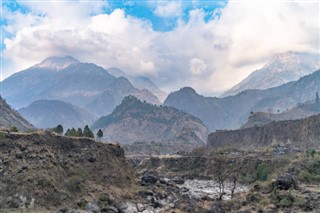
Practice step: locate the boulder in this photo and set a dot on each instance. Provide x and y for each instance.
(285, 182)
(92, 207)
(148, 179)
(178, 180)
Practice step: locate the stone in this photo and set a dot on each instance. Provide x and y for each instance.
(92, 159)
(127, 207)
(93, 207)
(110, 209)
(140, 207)
(285, 182)
(178, 180)
(147, 179)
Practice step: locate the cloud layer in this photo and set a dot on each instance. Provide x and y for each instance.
(209, 55)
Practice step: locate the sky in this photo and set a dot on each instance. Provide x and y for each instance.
(208, 45)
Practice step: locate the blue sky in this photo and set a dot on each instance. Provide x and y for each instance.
(209, 45)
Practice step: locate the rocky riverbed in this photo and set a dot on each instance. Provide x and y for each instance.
(199, 189)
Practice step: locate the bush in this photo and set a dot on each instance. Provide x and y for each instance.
(285, 202)
(14, 129)
(104, 198)
(262, 172)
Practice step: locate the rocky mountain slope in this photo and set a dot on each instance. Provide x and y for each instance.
(50, 113)
(302, 133)
(134, 120)
(141, 83)
(9, 118)
(104, 103)
(282, 68)
(43, 170)
(233, 111)
(301, 111)
(65, 79)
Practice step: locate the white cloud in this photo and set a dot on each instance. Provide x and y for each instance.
(168, 9)
(209, 56)
(197, 66)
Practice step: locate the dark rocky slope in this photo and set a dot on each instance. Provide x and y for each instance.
(9, 118)
(303, 133)
(44, 170)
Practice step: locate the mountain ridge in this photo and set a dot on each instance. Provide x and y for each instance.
(282, 68)
(231, 112)
(134, 120)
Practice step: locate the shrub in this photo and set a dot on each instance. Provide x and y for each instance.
(285, 202)
(14, 129)
(261, 172)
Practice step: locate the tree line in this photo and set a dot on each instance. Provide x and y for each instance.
(86, 132)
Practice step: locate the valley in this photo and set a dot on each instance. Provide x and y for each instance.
(255, 151)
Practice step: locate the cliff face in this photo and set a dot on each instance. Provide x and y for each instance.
(46, 170)
(303, 133)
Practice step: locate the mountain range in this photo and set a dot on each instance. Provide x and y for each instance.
(140, 82)
(134, 120)
(68, 80)
(281, 69)
(232, 111)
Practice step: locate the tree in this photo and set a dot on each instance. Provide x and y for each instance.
(317, 97)
(67, 133)
(58, 129)
(79, 132)
(87, 132)
(100, 134)
(14, 129)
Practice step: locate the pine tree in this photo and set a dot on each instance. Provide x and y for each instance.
(58, 129)
(73, 132)
(67, 133)
(317, 97)
(100, 134)
(79, 132)
(87, 132)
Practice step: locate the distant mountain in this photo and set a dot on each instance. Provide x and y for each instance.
(141, 82)
(134, 120)
(33, 80)
(10, 118)
(114, 93)
(232, 111)
(302, 133)
(50, 113)
(301, 111)
(68, 80)
(282, 68)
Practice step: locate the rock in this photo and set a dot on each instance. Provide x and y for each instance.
(63, 210)
(285, 182)
(178, 180)
(93, 207)
(147, 179)
(127, 207)
(110, 209)
(140, 207)
(92, 159)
